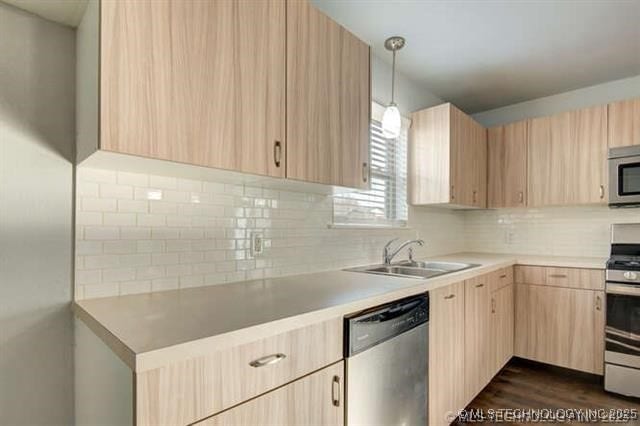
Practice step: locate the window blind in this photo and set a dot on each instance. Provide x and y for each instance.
(385, 203)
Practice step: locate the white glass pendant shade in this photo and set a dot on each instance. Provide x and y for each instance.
(391, 122)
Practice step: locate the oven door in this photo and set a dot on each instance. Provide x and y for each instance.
(624, 180)
(622, 341)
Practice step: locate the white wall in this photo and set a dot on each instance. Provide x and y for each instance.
(36, 148)
(575, 99)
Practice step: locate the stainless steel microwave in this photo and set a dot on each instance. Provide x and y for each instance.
(624, 176)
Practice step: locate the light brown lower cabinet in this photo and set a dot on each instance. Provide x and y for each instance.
(560, 326)
(502, 327)
(477, 348)
(316, 399)
(446, 358)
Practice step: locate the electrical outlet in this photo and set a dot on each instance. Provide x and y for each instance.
(257, 244)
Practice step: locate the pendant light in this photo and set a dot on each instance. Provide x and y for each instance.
(391, 121)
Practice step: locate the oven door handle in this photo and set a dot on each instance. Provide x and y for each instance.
(621, 289)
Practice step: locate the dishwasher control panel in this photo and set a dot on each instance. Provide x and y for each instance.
(366, 329)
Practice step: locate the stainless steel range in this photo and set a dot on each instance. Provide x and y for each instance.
(622, 332)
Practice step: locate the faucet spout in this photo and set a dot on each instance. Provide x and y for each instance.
(388, 254)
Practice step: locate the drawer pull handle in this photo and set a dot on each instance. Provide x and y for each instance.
(520, 197)
(277, 153)
(475, 200)
(601, 192)
(598, 303)
(493, 305)
(558, 275)
(479, 285)
(451, 296)
(267, 360)
(365, 172)
(503, 276)
(335, 391)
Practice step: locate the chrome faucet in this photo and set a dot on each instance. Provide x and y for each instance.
(388, 254)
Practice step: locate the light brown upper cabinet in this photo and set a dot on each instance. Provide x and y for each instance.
(624, 123)
(507, 165)
(447, 159)
(197, 82)
(266, 87)
(328, 100)
(567, 158)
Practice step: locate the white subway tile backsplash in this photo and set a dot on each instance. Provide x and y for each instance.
(142, 233)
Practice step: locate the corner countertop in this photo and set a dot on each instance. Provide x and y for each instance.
(148, 331)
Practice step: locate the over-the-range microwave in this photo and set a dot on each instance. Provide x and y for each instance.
(624, 176)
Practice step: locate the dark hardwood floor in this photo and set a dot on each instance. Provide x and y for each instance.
(523, 385)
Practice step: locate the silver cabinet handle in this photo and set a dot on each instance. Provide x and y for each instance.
(598, 303)
(365, 172)
(453, 197)
(601, 192)
(493, 305)
(277, 153)
(558, 275)
(335, 391)
(474, 196)
(503, 276)
(521, 197)
(267, 360)
(479, 285)
(451, 296)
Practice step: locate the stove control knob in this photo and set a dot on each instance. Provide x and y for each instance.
(631, 275)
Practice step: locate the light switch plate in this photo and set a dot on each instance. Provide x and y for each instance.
(257, 244)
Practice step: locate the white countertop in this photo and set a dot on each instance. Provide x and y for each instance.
(151, 330)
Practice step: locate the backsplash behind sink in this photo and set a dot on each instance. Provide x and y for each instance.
(140, 233)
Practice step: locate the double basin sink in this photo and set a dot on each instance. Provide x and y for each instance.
(414, 269)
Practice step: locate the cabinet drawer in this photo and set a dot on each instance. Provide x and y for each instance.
(588, 279)
(501, 278)
(184, 392)
(316, 399)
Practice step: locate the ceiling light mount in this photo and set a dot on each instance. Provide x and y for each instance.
(394, 43)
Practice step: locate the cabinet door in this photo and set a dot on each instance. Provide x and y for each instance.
(560, 326)
(567, 158)
(507, 170)
(316, 399)
(468, 160)
(328, 100)
(502, 327)
(446, 356)
(477, 354)
(198, 82)
(624, 123)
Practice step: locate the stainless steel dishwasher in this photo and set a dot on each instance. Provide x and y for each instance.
(386, 349)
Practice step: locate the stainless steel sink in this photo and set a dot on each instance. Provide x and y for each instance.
(413, 269)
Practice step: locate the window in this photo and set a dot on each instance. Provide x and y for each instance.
(385, 204)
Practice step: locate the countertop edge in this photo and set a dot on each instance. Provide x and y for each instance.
(114, 343)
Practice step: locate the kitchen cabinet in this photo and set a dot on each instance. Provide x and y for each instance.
(447, 159)
(560, 326)
(190, 390)
(269, 88)
(316, 399)
(195, 82)
(446, 356)
(567, 155)
(328, 100)
(507, 165)
(502, 327)
(477, 349)
(624, 123)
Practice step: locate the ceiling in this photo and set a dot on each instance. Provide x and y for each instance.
(478, 54)
(483, 54)
(67, 12)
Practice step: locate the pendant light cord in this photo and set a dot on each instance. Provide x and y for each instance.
(393, 77)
